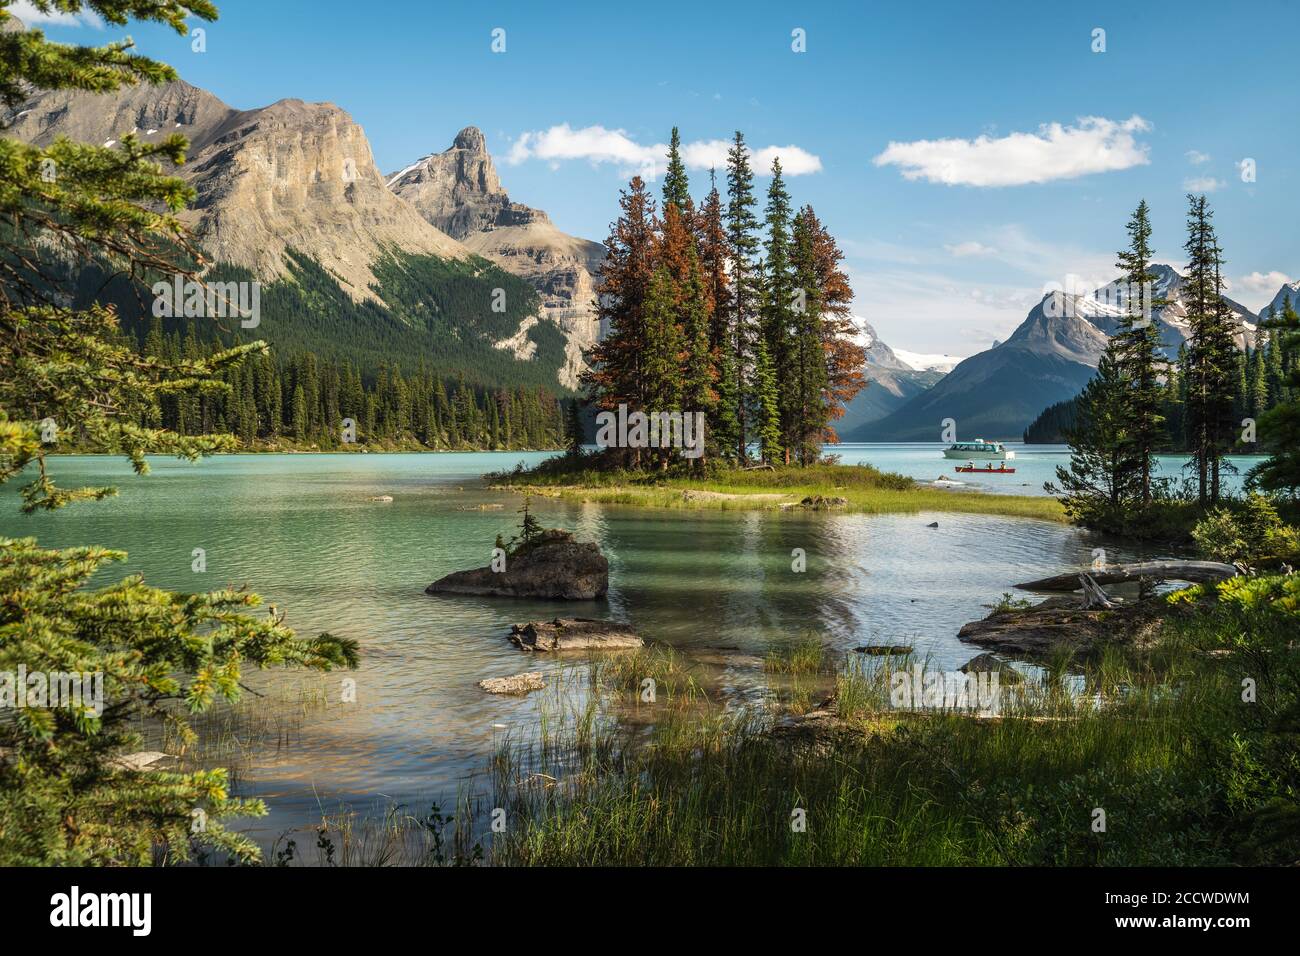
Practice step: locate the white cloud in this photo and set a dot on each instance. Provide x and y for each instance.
(963, 250)
(1263, 284)
(25, 11)
(931, 312)
(1095, 145)
(1196, 157)
(1202, 184)
(598, 145)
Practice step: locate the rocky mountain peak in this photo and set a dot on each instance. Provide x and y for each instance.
(290, 176)
(459, 192)
(470, 138)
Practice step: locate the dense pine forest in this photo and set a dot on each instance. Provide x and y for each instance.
(413, 368)
(302, 402)
(710, 311)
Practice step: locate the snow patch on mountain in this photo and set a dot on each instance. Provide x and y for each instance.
(925, 362)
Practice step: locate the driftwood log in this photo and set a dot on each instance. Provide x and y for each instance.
(1197, 572)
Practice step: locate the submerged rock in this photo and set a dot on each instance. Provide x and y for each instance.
(140, 761)
(883, 649)
(573, 634)
(988, 664)
(554, 567)
(515, 684)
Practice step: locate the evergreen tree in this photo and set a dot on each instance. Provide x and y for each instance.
(742, 241)
(714, 253)
(845, 356)
(778, 301)
(573, 431)
(1101, 482)
(617, 362)
(664, 347)
(1136, 348)
(1280, 427)
(807, 387)
(1211, 353)
(1256, 378)
(698, 370)
(767, 411)
(530, 529)
(676, 186)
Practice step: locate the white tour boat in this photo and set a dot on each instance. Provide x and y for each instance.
(979, 450)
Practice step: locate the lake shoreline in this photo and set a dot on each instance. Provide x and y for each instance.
(846, 489)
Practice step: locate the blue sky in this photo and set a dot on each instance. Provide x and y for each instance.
(964, 158)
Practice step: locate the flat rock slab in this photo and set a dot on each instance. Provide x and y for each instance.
(574, 634)
(1060, 624)
(554, 567)
(515, 684)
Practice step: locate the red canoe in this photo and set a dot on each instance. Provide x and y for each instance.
(968, 470)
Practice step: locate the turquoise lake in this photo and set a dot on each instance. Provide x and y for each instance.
(302, 531)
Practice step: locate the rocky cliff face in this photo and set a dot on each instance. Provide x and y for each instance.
(459, 192)
(291, 175)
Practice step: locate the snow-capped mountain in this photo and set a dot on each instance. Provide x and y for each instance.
(1289, 290)
(1048, 359)
(892, 381)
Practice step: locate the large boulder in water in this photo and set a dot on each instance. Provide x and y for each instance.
(553, 566)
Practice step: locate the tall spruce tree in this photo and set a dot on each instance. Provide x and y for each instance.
(698, 369)
(664, 347)
(616, 374)
(845, 356)
(715, 254)
(778, 301)
(767, 404)
(677, 191)
(1210, 367)
(742, 241)
(1100, 483)
(1136, 348)
(807, 387)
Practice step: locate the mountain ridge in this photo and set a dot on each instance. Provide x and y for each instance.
(1049, 358)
